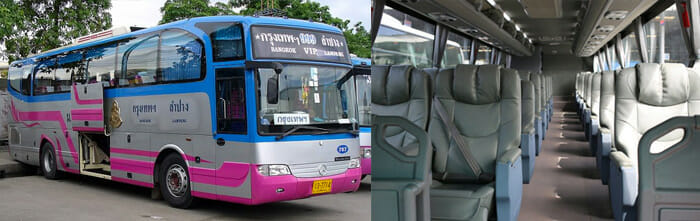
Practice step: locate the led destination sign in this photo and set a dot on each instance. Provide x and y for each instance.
(287, 43)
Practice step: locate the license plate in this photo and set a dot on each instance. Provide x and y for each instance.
(321, 186)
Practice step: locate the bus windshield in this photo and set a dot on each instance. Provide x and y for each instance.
(307, 95)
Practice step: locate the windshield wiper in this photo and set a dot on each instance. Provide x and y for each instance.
(295, 128)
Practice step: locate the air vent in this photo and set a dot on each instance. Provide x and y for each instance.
(442, 17)
(593, 42)
(616, 15)
(554, 43)
(605, 28)
(598, 37)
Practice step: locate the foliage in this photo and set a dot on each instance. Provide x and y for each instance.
(174, 10)
(359, 41)
(32, 26)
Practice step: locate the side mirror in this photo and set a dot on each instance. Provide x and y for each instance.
(273, 89)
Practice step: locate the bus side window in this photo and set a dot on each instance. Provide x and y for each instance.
(26, 81)
(226, 39)
(68, 68)
(230, 101)
(180, 56)
(100, 65)
(15, 78)
(44, 77)
(140, 58)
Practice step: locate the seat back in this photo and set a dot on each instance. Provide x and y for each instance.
(528, 100)
(543, 88)
(484, 102)
(537, 82)
(650, 94)
(595, 93)
(401, 91)
(606, 116)
(588, 86)
(669, 184)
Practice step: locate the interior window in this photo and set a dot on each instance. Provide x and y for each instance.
(483, 55)
(403, 39)
(631, 50)
(140, 57)
(663, 31)
(180, 56)
(612, 57)
(226, 38)
(45, 77)
(457, 50)
(230, 100)
(100, 62)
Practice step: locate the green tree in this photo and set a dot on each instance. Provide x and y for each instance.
(33, 26)
(358, 37)
(175, 10)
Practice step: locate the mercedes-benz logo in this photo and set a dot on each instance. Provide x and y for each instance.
(322, 170)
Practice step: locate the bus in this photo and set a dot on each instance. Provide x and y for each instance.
(363, 85)
(233, 108)
(606, 92)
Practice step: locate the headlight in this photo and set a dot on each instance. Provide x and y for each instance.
(354, 163)
(274, 170)
(366, 152)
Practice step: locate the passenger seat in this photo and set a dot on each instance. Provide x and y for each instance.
(528, 145)
(646, 96)
(606, 118)
(539, 125)
(593, 123)
(479, 105)
(400, 145)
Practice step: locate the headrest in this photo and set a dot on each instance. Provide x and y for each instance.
(662, 84)
(474, 84)
(525, 75)
(392, 84)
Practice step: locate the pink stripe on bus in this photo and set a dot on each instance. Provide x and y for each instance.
(91, 129)
(230, 174)
(87, 114)
(145, 153)
(59, 150)
(55, 116)
(84, 102)
(134, 166)
(132, 182)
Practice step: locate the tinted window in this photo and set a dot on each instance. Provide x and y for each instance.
(631, 48)
(664, 30)
(226, 39)
(483, 56)
(15, 77)
(457, 50)
(44, 77)
(140, 59)
(180, 56)
(403, 39)
(230, 102)
(100, 63)
(68, 66)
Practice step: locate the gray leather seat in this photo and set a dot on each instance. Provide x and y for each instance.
(528, 145)
(587, 102)
(579, 98)
(543, 96)
(484, 104)
(646, 96)
(400, 145)
(539, 126)
(593, 123)
(606, 118)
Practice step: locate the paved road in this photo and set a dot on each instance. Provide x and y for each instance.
(87, 198)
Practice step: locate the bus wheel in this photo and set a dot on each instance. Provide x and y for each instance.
(48, 162)
(175, 183)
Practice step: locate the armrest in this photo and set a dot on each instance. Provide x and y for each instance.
(509, 184)
(397, 159)
(528, 129)
(625, 176)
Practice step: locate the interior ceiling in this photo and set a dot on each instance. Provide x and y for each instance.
(551, 24)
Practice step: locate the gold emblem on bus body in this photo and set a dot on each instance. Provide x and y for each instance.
(115, 119)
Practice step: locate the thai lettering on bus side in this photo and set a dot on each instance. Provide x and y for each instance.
(144, 108)
(291, 119)
(179, 106)
(331, 42)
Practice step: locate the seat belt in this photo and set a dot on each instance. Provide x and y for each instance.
(453, 133)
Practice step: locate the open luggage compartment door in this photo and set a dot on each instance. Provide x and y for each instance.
(87, 108)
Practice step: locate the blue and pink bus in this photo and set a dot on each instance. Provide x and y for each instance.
(363, 85)
(247, 110)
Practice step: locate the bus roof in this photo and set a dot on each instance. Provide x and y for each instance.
(249, 20)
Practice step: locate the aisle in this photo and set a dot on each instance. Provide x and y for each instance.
(565, 184)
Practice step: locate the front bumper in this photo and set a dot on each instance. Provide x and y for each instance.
(366, 163)
(266, 189)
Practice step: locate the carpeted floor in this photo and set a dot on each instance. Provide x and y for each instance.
(565, 184)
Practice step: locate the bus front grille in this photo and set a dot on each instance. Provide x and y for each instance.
(319, 169)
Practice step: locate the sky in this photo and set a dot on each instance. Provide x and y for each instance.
(147, 13)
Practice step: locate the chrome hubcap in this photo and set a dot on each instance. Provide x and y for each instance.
(177, 180)
(48, 161)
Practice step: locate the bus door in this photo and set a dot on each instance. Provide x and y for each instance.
(87, 109)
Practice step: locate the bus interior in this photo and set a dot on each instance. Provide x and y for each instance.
(535, 109)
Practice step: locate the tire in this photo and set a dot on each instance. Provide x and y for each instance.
(175, 193)
(48, 164)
